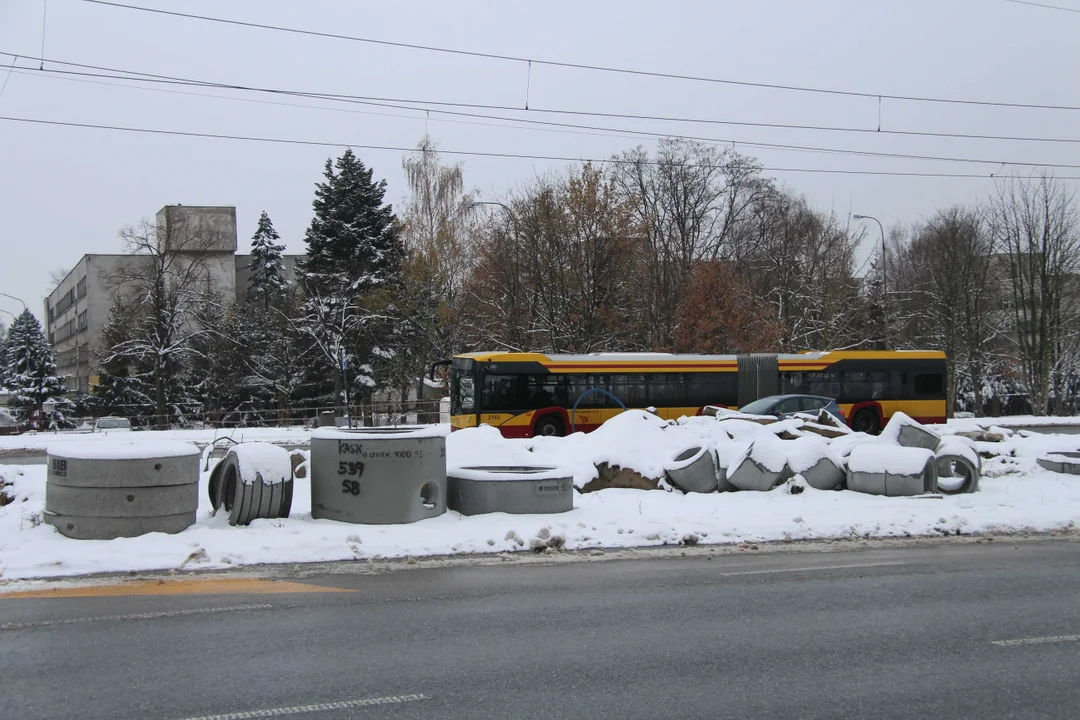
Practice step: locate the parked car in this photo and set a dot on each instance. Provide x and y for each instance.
(788, 405)
(112, 424)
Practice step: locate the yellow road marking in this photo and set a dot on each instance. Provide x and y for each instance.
(243, 586)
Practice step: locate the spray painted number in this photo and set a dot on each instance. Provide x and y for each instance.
(350, 468)
(59, 467)
(350, 487)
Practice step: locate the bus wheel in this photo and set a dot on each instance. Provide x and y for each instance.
(866, 421)
(548, 426)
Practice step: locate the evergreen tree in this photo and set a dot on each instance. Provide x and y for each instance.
(3, 355)
(125, 388)
(352, 244)
(351, 272)
(31, 371)
(267, 281)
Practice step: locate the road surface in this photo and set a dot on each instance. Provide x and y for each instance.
(943, 630)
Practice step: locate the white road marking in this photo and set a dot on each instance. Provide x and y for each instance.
(134, 616)
(1038, 640)
(812, 568)
(317, 707)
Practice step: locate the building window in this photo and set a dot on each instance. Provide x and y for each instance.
(83, 322)
(80, 288)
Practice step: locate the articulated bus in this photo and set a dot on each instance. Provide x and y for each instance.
(530, 394)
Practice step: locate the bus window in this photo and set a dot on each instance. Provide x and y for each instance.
(718, 388)
(501, 393)
(666, 390)
(543, 391)
(582, 384)
(929, 386)
(825, 384)
(793, 383)
(857, 386)
(630, 389)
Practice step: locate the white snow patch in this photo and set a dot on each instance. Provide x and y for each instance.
(269, 463)
(112, 449)
(888, 458)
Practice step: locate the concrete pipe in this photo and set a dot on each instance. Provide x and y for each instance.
(694, 470)
(378, 475)
(916, 436)
(753, 475)
(521, 490)
(1061, 462)
(112, 488)
(252, 481)
(824, 475)
(956, 474)
(880, 469)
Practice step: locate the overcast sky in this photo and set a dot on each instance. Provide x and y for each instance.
(67, 191)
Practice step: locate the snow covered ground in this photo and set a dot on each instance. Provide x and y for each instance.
(43, 440)
(1015, 495)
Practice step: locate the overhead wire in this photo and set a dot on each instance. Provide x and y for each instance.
(556, 127)
(140, 76)
(477, 153)
(1043, 5)
(580, 66)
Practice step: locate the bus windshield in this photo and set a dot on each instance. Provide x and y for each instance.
(462, 390)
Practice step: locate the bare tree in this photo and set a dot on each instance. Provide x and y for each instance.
(1035, 225)
(945, 276)
(686, 205)
(56, 276)
(437, 229)
(801, 262)
(165, 282)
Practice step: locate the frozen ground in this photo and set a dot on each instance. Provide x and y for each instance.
(1015, 495)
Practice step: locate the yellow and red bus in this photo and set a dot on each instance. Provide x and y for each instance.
(529, 394)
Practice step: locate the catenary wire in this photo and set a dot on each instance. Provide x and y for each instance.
(1043, 5)
(139, 76)
(580, 66)
(473, 153)
(556, 127)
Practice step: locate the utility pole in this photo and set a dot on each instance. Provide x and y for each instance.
(884, 272)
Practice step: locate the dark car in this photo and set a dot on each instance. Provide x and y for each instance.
(788, 405)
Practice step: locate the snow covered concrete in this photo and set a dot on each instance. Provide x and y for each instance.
(1015, 495)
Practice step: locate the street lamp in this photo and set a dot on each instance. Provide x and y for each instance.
(14, 298)
(509, 212)
(884, 270)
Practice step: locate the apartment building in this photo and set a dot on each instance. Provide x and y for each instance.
(78, 309)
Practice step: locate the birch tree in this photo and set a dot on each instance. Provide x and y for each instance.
(1035, 225)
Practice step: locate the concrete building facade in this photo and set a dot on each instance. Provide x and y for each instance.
(77, 310)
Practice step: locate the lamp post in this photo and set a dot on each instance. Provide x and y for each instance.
(509, 212)
(14, 298)
(884, 271)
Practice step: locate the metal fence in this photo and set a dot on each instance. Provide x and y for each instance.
(375, 414)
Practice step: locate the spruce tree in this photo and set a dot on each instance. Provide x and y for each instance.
(267, 281)
(31, 371)
(125, 387)
(351, 243)
(351, 271)
(3, 355)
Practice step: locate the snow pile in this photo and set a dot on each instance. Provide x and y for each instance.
(262, 461)
(805, 452)
(634, 440)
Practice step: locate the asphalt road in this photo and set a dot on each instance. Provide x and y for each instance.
(897, 633)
